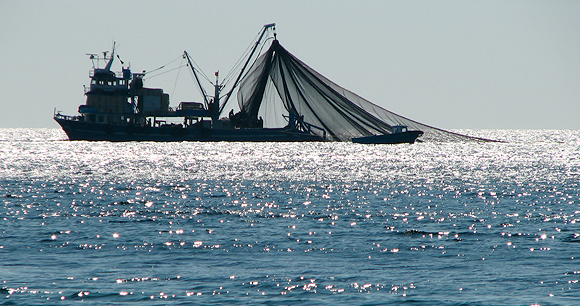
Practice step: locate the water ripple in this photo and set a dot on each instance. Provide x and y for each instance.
(261, 223)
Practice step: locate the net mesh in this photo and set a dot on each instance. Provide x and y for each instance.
(277, 76)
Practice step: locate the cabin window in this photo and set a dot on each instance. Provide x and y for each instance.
(101, 119)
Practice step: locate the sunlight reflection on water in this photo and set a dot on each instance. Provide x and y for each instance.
(284, 223)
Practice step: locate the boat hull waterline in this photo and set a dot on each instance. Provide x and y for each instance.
(405, 137)
(78, 130)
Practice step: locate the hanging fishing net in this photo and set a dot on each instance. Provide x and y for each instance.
(278, 81)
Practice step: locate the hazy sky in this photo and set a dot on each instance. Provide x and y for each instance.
(450, 64)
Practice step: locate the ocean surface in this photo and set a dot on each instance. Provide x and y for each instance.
(466, 223)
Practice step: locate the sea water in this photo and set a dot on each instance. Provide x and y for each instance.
(459, 223)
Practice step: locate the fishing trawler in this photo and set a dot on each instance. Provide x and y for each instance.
(119, 108)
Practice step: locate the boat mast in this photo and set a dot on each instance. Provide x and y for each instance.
(228, 95)
(215, 105)
(110, 63)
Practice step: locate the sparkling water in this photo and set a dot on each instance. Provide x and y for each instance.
(465, 223)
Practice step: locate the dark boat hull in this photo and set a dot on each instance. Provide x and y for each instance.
(405, 137)
(80, 130)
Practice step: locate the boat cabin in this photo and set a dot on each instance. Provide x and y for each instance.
(120, 98)
(395, 129)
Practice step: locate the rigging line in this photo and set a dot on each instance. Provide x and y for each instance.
(177, 77)
(164, 72)
(196, 66)
(240, 60)
(247, 72)
(251, 49)
(238, 63)
(192, 76)
(163, 66)
(232, 75)
(258, 54)
(243, 70)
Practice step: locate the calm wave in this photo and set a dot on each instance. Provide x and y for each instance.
(290, 223)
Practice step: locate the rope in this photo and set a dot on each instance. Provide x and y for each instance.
(231, 74)
(177, 77)
(164, 72)
(163, 66)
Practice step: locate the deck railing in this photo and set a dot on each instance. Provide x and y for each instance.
(311, 126)
(58, 115)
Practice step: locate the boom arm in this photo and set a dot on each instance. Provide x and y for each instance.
(186, 55)
(227, 97)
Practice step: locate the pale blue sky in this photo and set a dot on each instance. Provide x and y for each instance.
(450, 64)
